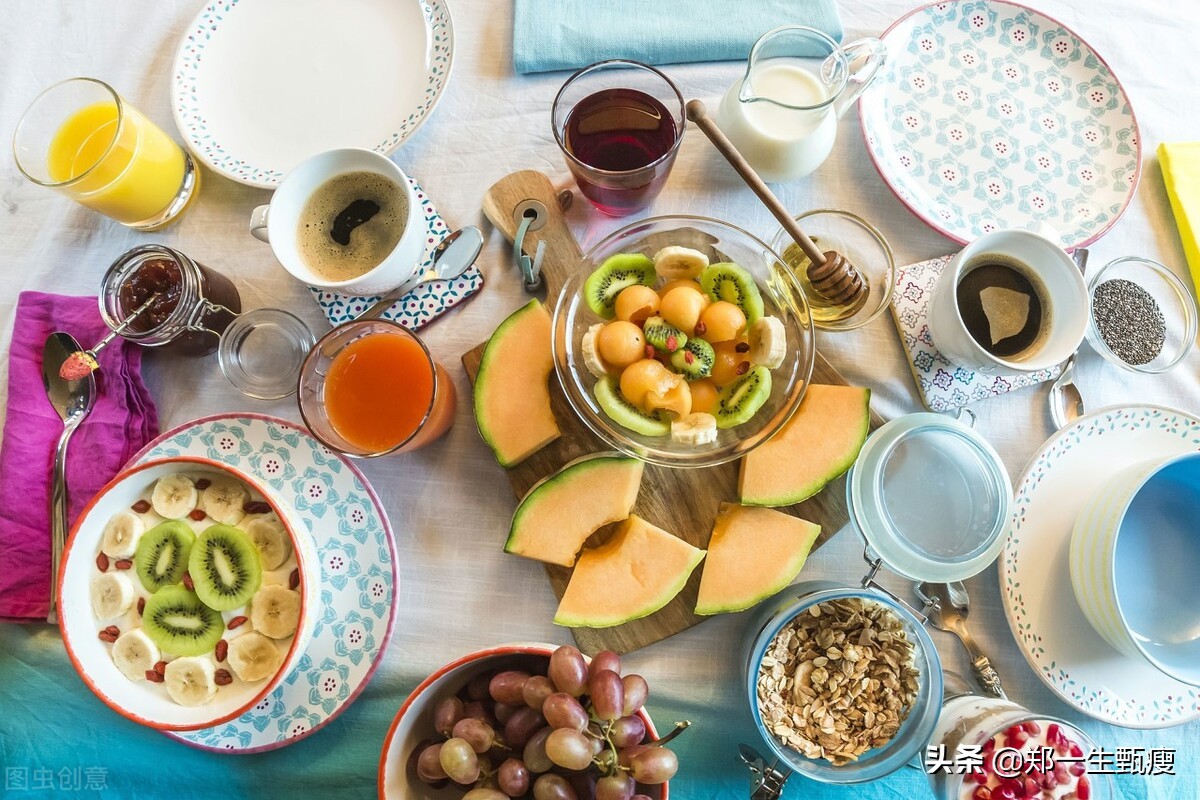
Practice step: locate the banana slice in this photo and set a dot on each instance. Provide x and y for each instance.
(174, 496)
(134, 653)
(697, 428)
(253, 656)
(591, 356)
(112, 595)
(191, 680)
(768, 342)
(271, 539)
(679, 263)
(275, 611)
(223, 500)
(121, 534)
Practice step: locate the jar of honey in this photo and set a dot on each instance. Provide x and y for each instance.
(193, 308)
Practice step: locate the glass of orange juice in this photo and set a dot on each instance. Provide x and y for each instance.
(85, 140)
(370, 388)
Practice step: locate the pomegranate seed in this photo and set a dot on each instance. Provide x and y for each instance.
(256, 507)
(187, 582)
(197, 514)
(1032, 789)
(236, 622)
(1077, 769)
(1084, 790)
(989, 745)
(980, 777)
(141, 606)
(1049, 780)
(1076, 750)
(222, 677)
(141, 506)
(649, 351)
(160, 667)
(221, 650)
(1017, 739)
(1053, 732)
(203, 483)
(102, 562)
(743, 368)
(294, 578)
(701, 328)
(154, 677)
(981, 793)
(124, 563)
(742, 347)
(1031, 727)
(1015, 786)
(1003, 793)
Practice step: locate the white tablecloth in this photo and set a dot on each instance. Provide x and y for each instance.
(450, 504)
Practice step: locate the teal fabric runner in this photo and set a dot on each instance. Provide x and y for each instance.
(568, 34)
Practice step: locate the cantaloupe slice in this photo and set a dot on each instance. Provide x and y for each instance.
(631, 576)
(753, 554)
(561, 511)
(512, 396)
(819, 443)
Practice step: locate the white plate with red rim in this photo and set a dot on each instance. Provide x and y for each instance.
(359, 571)
(261, 85)
(1055, 637)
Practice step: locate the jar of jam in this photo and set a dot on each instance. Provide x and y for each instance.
(193, 308)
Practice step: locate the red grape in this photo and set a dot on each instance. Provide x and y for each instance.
(628, 731)
(636, 692)
(484, 793)
(553, 787)
(459, 761)
(506, 687)
(481, 710)
(535, 752)
(605, 659)
(429, 765)
(568, 671)
(513, 777)
(656, 765)
(478, 734)
(536, 690)
(607, 694)
(627, 754)
(569, 749)
(564, 711)
(477, 689)
(503, 711)
(521, 726)
(448, 712)
(641, 797)
(615, 787)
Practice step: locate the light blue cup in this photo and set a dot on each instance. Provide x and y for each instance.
(1135, 564)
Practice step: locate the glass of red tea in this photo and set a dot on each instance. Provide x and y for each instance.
(619, 124)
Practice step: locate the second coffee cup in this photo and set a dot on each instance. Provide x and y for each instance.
(1012, 301)
(346, 220)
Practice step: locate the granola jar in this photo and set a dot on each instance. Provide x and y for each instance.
(921, 715)
(194, 305)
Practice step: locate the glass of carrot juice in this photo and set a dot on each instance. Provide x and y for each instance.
(371, 388)
(83, 139)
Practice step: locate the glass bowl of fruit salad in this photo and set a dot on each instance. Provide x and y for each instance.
(187, 592)
(567, 730)
(683, 341)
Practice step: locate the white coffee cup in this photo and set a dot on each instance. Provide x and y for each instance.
(1066, 304)
(278, 223)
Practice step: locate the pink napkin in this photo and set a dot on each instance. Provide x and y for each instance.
(122, 421)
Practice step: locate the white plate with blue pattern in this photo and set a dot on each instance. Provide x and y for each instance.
(260, 85)
(1035, 582)
(990, 115)
(358, 572)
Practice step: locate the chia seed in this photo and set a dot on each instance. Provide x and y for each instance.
(1129, 321)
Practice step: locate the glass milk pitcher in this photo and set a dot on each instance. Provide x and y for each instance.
(782, 115)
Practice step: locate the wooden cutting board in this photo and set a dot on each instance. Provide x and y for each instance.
(682, 501)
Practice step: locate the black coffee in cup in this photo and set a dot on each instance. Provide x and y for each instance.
(1003, 305)
(350, 224)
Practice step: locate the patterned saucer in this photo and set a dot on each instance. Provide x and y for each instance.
(1035, 582)
(359, 568)
(260, 86)
(990, 115)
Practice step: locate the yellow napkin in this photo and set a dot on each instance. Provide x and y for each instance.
(1181, 173)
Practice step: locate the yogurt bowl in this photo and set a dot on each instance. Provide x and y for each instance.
(116, 600)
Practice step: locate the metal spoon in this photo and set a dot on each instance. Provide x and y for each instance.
(947, 606)
(1066, 401)
(450, 259)
(73, 400)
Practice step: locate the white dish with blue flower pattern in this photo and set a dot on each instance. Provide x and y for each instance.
(1057, 640)
(358, 572)
(261, 85)
(989, 115)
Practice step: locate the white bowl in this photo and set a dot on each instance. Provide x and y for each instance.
(413, 724)
(141, 701)
(1135, 554)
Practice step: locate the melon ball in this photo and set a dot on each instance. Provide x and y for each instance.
(676, 401)
(682, 307)
(637, 303)
(722, 321)
(704, 395)
(641, 378)
(675, 284)
(621, 343)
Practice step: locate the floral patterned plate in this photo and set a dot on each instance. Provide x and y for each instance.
(358, 559)
(1035, 582)
(990, 115)
(261, 85)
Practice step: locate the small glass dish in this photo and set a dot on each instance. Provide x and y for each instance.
(261, 352)
(782, 298)
(863, 246)
(1173, 300)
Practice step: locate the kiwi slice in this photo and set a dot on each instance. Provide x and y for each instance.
(622, 412)
(741, 400)
(727, 281)
(162, 554)
(617, 273)
(225, 567)
(180, 624)
(663, 335)
(694, 360)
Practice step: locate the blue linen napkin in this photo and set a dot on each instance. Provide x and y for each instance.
(568, 34)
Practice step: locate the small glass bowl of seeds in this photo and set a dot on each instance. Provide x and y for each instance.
(1143, 316)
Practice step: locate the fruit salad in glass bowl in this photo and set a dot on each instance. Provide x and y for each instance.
(681, 341)
(187, 593)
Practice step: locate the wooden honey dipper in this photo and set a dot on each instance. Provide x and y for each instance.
(833, 277)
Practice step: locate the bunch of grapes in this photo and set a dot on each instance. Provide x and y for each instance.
(570, 734)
